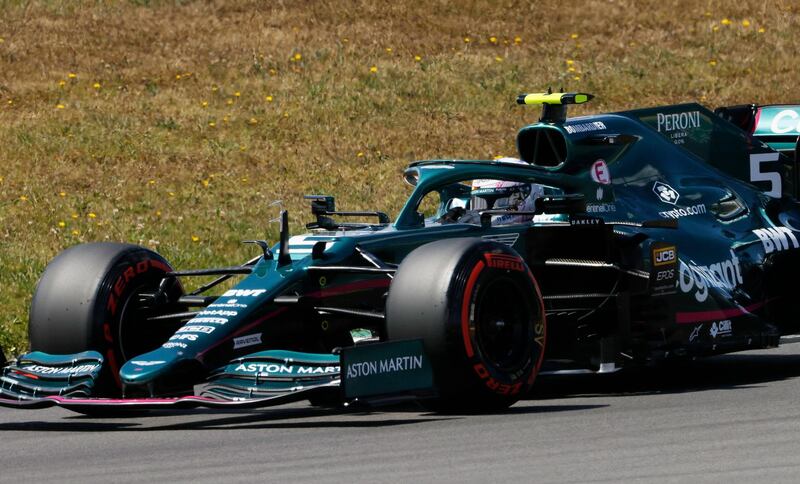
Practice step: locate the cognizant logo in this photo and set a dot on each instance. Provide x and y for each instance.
(693, 278)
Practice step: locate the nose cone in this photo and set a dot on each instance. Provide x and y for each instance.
(148, 367)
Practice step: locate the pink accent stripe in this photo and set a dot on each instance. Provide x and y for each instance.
(111, 401)
(68, 402)
(699, 316)
(349, 288)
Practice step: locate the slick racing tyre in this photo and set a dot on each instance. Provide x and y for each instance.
(478, 310)
(89, 299)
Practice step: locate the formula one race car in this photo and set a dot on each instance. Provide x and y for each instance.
(613, 240)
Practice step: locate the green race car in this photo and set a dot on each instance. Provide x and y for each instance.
(612, 240)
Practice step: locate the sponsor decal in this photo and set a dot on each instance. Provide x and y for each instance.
(209, 320)
(666, 193)
(244, 292)
(53, 370)
(505, 219)
(147, 363)
(677, 125)
(598, 195)
(695, 333)
(505, 262)
(184, 336)
(677, 121)
(721, 328)
(585, 221)
(679, 212)
(278, 369)
(697, 279)
(584, 127)
(217, 312)
(314, 370)
(664, 274)
(507, 239)
(785, 121)
(399, 363)
(199, 329)
(599, 172)
(600, 208)
(664, 255)
(776, 239)
(248, 340)
(229, 305)
(175, 345)
(385, 368)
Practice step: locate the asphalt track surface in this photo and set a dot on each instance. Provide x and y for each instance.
(729, 418)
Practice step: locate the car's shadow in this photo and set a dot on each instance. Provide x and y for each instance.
(737, 371)
(734, 371)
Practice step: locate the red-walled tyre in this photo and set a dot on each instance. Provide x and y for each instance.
(89, 299)
(478, 310)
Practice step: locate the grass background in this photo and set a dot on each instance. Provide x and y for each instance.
(175, 124)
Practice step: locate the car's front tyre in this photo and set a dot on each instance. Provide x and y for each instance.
(88, 298)
(478, 309)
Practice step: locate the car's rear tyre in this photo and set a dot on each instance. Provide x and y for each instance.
(88, 299)
(478, 310)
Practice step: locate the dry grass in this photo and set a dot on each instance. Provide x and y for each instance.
(184, 120)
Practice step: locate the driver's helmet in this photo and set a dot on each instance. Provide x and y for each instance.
(505, 195)
(488, 194)
(499, 195)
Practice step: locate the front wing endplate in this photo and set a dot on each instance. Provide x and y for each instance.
(88, 405)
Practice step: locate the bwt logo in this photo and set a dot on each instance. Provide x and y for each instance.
(664, 255)
(776, 239)
(666, 193)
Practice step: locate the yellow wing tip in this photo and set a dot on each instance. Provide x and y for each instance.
(554, 98)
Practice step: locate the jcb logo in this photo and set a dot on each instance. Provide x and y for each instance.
(664, 256)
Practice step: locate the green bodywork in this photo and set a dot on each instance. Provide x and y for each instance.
(685, 217)
(705, 160)
(386, 369)
(778, 126)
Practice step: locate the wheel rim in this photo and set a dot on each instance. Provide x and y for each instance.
(503, 324)
(132, 315)
(136, 335)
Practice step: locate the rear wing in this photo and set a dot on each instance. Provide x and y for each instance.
(776, 125)
(723, 144)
